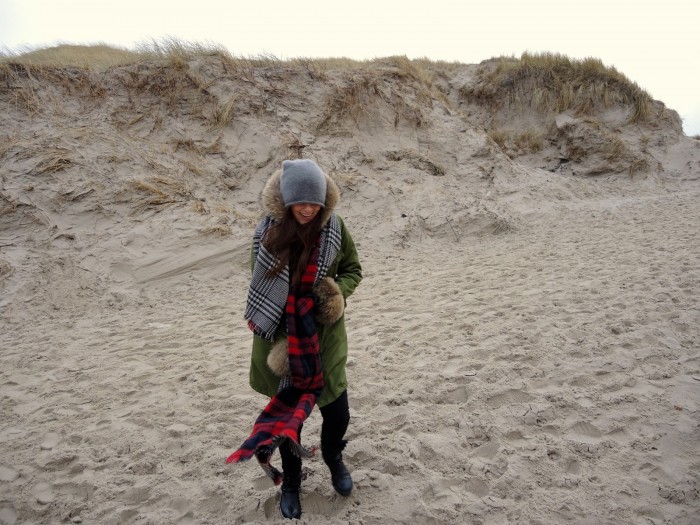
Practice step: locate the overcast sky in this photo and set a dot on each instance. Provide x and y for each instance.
(653, 43)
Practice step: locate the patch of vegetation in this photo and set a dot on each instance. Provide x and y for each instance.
(552, 83)
(510, 142)
(23, 82)
(53, 160)
(357, 96)
(223, 114)
(96, 57)
(161, 191)
(350, 101)
(499, 136)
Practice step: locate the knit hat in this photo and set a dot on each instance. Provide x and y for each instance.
(302, 181)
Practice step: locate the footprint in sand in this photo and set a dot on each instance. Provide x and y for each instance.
(8, 515)
(271, 507)
(262, 483)
(572, 466)
(477, 487)
(43, 493)
(508, 397)
(487, 450)
(8, 474)
(311, 503)
(445, 491)
(317, 504)
(455, 396)
(586, 429)
(50, 441)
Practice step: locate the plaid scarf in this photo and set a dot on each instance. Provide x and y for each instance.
(267, 296)
(294, 401)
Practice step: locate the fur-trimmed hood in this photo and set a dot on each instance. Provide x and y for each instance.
(274, 205)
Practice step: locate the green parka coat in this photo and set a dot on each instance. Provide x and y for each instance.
(347, 273)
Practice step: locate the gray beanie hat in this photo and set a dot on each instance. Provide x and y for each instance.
(302, 181)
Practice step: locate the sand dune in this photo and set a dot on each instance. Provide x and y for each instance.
(524, 345)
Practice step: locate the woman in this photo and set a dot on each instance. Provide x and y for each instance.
(304, 267)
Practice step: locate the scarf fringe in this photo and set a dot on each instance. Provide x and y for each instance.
(263, 454)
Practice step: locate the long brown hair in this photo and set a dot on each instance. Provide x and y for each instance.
(292, 244)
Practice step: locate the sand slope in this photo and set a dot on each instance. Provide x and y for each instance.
(524, 346)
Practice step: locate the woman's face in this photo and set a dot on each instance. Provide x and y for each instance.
(305, 212)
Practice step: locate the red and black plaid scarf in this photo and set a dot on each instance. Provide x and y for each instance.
(293, 403)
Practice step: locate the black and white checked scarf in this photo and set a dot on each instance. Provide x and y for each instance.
(267, 296)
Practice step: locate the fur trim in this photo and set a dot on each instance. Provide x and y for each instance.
(331, 303)
(272, 197)
(278, 358)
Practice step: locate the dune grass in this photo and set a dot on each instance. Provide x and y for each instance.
(175, 82)
(550, 82)
(97, 57)
(101, 56)
(160, 191)
(172, 79)
(511, 142)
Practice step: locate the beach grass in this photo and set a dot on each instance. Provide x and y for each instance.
(552, 83)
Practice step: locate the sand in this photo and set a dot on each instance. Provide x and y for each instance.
(524, 347)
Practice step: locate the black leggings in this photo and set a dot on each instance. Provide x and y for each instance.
(336, 417)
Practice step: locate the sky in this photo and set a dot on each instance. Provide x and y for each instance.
(652, 42)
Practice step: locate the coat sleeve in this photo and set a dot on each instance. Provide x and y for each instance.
(349, 273)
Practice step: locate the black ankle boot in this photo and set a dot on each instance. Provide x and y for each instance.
(290, 501)
(340, 476)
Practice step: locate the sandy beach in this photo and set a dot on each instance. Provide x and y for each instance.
(524, 347)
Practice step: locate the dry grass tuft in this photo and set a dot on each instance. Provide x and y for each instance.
(52, 161)
(199, 207)
(513, 143)
(169, 83)
(18, 81)
(25, 85)
(97, 56)
(417, 161)
(529, 141)
(187, 145)
(395, 83)
(200, 150)
(499, 136)
(403, 68)
(174, 50)
(219, 230)
(615, 149)
(350, 101)
(638, 165)
(551, 82)
(192, 168)
(223, 114)
(161, 191)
